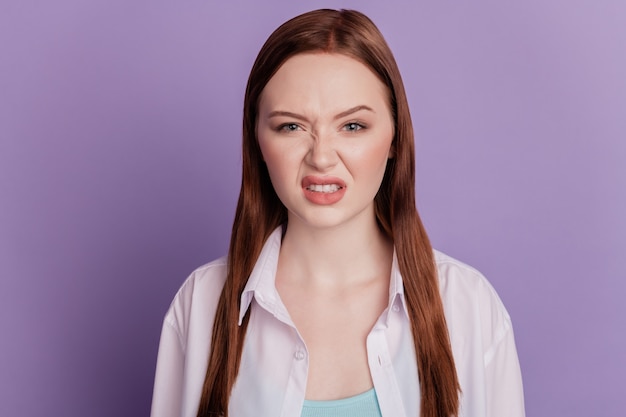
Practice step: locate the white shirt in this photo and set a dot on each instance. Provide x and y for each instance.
(273, 372)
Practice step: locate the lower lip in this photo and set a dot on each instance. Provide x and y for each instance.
(324, 199)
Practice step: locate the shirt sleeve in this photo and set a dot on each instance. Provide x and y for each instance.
(504, 391)
(168, 381)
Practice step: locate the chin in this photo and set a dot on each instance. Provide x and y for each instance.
(329, 218)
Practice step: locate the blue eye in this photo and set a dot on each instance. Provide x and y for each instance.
(288, 127)
(353, 126)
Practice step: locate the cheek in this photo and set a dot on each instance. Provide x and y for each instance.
(268, 153)
(280, 164)
(374, 159)
(280, 154)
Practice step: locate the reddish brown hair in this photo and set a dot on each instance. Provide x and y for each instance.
(259, 212)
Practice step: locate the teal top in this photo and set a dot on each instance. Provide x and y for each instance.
(362, 405)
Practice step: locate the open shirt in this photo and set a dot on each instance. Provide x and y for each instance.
(274, 365)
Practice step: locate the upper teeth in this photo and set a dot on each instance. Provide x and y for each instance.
(326, 188)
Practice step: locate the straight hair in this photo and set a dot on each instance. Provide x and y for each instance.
(259, 212)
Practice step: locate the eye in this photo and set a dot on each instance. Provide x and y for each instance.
(353, 126)
(288, 127)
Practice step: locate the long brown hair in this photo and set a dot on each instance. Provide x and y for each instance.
(259, 212)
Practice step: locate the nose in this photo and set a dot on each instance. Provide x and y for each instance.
(322, 154)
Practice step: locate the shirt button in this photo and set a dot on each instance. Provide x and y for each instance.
(299, 355)
(395, 308)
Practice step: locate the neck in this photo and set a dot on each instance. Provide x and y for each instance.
(350, 253)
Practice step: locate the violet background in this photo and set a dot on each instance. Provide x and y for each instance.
(119, 172)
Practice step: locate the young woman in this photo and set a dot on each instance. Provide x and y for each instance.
(331, 301)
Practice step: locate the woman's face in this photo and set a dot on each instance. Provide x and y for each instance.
(325, 130)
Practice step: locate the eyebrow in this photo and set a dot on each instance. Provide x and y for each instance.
(345, 113)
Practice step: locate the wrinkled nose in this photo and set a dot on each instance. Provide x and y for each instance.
(322, 154)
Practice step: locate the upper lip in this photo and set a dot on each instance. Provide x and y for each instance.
(316, 180)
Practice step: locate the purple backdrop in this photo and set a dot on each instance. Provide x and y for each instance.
(119, 171)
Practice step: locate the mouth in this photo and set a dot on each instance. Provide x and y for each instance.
(323, 191)
(324, 188)
(324, 185)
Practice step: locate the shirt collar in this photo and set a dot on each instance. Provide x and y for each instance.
(261, 284)
(397, 302)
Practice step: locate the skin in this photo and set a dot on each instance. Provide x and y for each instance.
(327, 116)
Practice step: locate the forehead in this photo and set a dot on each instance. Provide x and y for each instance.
(324, 80)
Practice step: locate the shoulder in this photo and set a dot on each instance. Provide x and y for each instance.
(471, 304)
(451, 270)
(197, 298)
(212, 274)
(459, 280)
